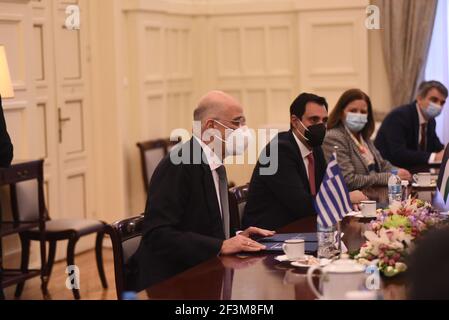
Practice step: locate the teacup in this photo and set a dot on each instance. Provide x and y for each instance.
(294, 248)
(337, 279)
(423, 178)
(368, 208)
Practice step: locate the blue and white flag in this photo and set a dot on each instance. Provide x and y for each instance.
(332, 201)
(443, 177)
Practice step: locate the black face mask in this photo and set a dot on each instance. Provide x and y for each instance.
(314, 135)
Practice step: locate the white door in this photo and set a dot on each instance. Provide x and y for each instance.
(63, 107)
(73, 108)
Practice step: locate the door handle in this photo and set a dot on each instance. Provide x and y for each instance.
(61, 120)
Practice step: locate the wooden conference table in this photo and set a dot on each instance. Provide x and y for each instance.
(261, 277)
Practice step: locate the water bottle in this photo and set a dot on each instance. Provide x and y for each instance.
(326, 241)
(394, 187)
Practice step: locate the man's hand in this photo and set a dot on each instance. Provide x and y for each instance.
(356, 197)
(240, 243)
(439, 156)
(251, 231)
(404, 175)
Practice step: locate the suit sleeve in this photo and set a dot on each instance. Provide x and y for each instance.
(353, 180)
(396, 131)
(169, 192)
(286, 185)
(437, 146)
(6, 148)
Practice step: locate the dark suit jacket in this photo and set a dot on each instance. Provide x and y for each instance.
(182, 225)
(397, 139)
(6, 148)
(279, 199)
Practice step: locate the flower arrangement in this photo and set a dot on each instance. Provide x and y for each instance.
(390, 237)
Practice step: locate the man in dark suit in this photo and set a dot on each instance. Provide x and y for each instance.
(6, 148)
(187, 211)
(407, 136)
(278, 198)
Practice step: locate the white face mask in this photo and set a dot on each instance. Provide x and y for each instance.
(237, 141)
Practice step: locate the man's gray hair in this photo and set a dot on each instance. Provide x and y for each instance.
(426, 86)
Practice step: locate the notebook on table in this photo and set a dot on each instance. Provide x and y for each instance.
(309, 247)
(274, 243)
(281, 237)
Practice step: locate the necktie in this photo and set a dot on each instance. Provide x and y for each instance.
(223, 187)
(311, 169)
(422, 144)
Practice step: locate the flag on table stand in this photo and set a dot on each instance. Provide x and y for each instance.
(443, 177)
(332, 201)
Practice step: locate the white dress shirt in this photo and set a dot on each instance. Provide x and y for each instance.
(304, 153)
(214, 163)
(422, 121)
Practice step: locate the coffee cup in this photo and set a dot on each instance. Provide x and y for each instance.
(337, 279)
(294, 248)
(368, 208)
(423, 179)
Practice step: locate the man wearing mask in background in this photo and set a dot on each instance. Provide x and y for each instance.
(187, 211)
(287, 195)
(407, 136)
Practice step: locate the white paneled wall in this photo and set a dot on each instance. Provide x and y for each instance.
(263, 52)
(335, 52)
(137, 67)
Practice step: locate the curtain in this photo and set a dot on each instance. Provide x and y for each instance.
(438, 63)
(406, 28)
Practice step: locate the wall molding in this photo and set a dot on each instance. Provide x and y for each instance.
(236, 7)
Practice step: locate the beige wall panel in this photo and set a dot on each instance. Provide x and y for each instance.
(154, 109)
(41, 132)
(38, 63)
(333, 49)
(279, 105)
(229, 52)
(254, 51)
(280, 50)
(154, 60)
(256, 107)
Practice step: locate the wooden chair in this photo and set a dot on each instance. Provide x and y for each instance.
(151, 153)
(25, 208)
(237, 202)
(16, 176)
(125, 236)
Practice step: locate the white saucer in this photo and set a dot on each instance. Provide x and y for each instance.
(284, 258)
(432, 185)
(357, 214)
(323, 262)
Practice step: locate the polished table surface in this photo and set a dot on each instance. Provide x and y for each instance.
(261, 277)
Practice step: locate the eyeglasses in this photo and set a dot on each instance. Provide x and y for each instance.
(237, 123)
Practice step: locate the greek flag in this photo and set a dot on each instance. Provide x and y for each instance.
(443, 177)
(332, 201)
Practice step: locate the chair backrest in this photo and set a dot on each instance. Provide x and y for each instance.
(151, 153)
(125, 237)
(237, 202)
(27, 190)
